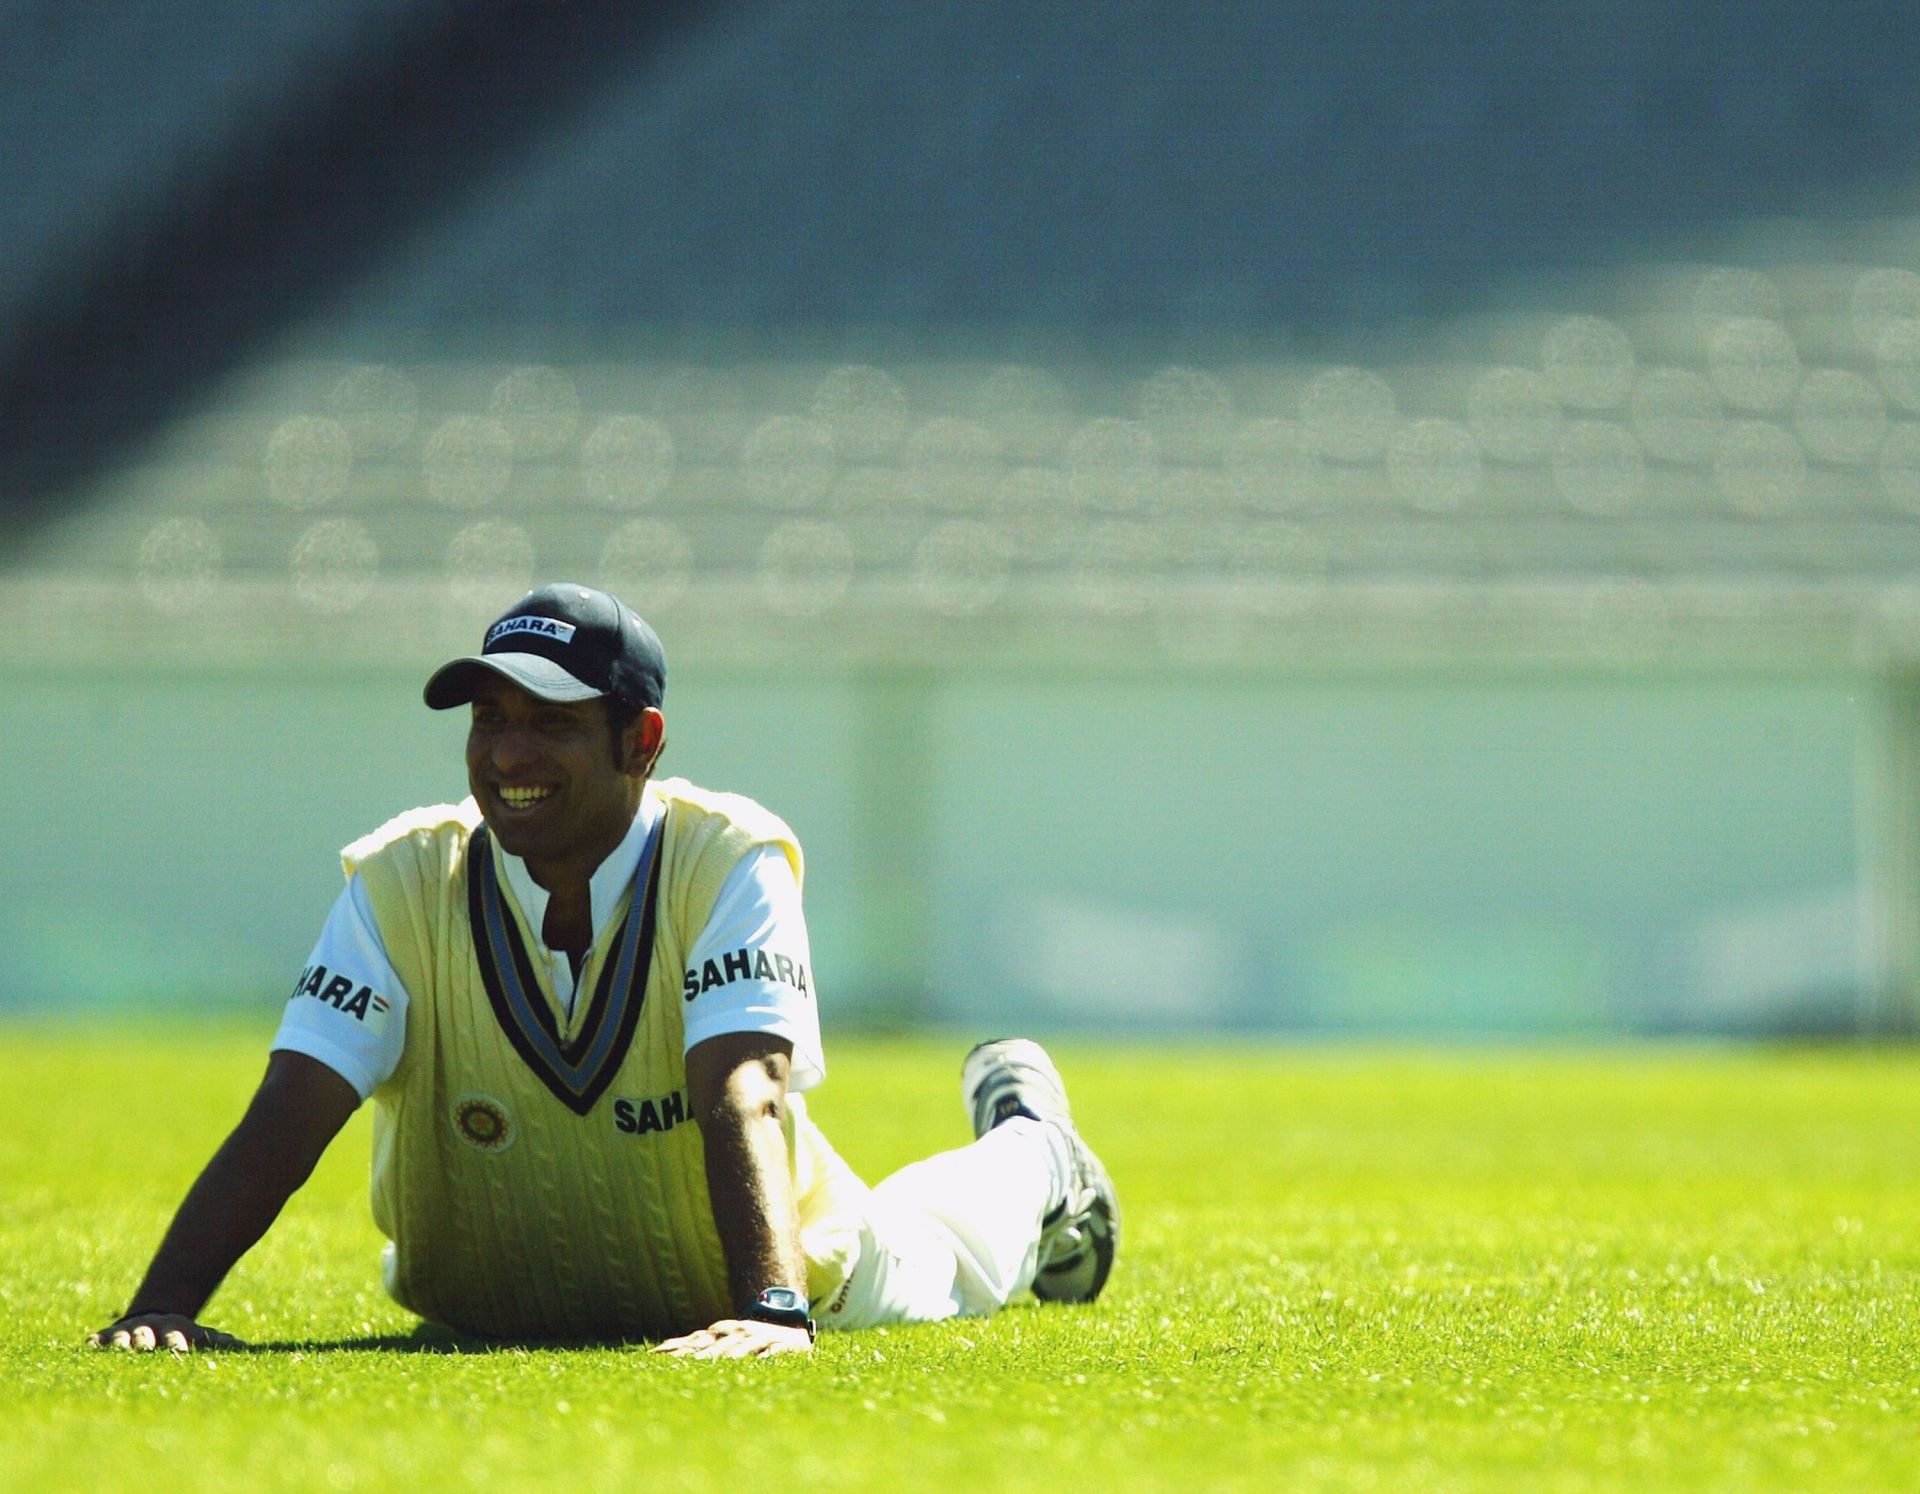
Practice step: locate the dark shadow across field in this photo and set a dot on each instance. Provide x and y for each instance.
(431, 1338)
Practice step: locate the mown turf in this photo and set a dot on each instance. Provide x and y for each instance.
(1341, 1269)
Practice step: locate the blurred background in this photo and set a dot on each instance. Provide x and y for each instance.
(1325, 519)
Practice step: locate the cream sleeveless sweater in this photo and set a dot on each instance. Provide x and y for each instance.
(545, 1180)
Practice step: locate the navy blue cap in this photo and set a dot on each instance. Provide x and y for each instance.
(562, 642)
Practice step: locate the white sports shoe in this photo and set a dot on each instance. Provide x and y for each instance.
(1014, 1076)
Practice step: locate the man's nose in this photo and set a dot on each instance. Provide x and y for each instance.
(514, 748)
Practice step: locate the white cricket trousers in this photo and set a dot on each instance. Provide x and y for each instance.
(954, 1236)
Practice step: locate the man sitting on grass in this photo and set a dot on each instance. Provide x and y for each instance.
(582, 1002)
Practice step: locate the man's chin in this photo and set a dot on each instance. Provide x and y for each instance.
(513, 834)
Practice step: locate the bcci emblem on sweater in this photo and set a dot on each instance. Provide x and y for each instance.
(482, 1122)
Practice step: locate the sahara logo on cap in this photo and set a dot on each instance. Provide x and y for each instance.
(546, 627)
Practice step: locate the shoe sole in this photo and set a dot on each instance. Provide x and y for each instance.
(1070, 1281)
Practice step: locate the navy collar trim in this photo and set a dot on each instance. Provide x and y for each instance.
(577, 1072)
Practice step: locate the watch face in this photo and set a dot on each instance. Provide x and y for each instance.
(783, 1299)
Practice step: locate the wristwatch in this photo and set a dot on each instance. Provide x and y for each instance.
(784, 1306)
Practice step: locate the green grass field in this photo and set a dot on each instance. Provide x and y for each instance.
(1341, 1269)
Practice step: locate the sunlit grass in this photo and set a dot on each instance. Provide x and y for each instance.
(1340, 1268)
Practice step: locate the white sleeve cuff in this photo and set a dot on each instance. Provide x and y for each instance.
(316, 1047)
(807, 1070)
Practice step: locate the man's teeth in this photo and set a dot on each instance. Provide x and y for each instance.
(523, 798)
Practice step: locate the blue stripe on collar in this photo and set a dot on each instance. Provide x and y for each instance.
(525, 1018)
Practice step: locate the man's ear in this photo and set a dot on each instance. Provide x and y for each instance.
(646, 739)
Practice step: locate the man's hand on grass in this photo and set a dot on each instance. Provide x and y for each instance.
(143, 1332)
(738, 1338)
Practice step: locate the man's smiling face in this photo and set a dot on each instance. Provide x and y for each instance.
(555, 788)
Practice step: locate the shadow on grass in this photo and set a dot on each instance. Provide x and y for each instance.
(431, 1338)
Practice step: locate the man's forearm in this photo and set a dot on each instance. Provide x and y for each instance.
(298, 1109)
(751, 1185)
(230, 1206)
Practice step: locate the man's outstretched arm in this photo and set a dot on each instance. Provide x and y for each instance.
(299, 1108)
(737, 1087)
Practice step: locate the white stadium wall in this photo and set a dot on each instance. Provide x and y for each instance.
(1409, 854)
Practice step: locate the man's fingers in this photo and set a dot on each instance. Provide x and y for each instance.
(734, 1338)
(172, 1331)
(702, 1343)
(752, 1340)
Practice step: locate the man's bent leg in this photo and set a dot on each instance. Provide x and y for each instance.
(955, 1235)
